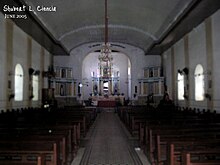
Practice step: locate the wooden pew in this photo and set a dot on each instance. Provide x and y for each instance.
(39, 138)
(29, 153)
(157, 144)
(68, 135)
(176, 149)
(39, 134)
(38, 161)
(64, 125)
(157, 130)
(201, 157)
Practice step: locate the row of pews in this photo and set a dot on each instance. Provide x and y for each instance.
(176, 136)
(35, 136)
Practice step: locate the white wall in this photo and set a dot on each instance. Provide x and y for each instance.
(216, 59)
(180, 61)
(2, 62)
(197, 55)
(19, 55)
(168, 71)
(35, 64)
(47, 62)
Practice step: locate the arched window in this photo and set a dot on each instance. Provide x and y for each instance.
(19, 79)
(199, 83)
(35, 82)
(180, 83)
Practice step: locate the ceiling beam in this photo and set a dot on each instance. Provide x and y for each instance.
(196, 15)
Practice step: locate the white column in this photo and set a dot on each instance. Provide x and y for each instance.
(142, 88)
(101, 87)
(109, 87)
(98, 86)
(92, 87)
(119, 86)
(160, 92)
(113, 85)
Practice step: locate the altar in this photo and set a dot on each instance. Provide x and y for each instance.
(110, 101)
(106, 103)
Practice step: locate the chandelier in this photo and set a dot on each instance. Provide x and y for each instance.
(105, 55)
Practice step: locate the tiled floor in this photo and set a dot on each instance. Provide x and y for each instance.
(108, 143)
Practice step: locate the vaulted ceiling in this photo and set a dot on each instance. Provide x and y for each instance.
(152, 25)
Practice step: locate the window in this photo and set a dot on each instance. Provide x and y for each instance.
(129, 70)
(180, 80)
(19, 75)
(199, 83)
(35, 82)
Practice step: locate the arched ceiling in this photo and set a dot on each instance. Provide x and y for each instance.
(142, 23)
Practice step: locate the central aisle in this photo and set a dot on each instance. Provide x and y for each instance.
(108, 144)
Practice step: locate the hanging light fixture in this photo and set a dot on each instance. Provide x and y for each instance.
(105, 56)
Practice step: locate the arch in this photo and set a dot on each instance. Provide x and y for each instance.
(85, 35)
(96, 46)
(130, 51)
(147, 34)
(199, 83)
(19, 81)
(90, 70)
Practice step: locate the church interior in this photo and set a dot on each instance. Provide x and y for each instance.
(109, 82)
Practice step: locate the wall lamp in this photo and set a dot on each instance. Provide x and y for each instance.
(31, 71)
(183, 71)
